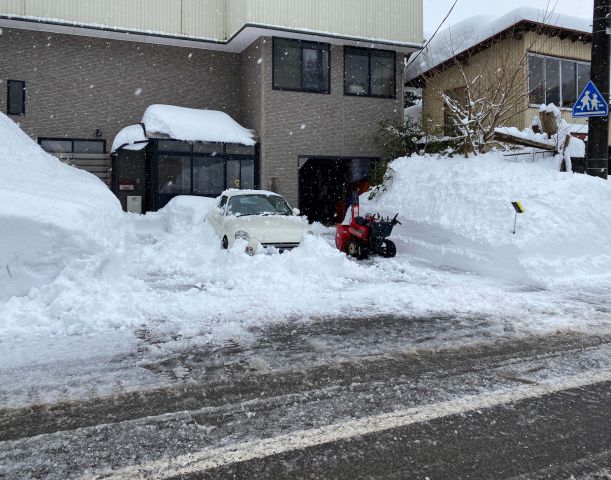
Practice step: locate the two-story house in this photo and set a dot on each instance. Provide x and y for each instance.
(313, 78)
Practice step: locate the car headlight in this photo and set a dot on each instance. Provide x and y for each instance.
(241, 234)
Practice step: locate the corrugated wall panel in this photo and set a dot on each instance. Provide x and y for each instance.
(395, 20)
(147, 15)
(391, 20)
(204, 18)
(574, 49)
(12, 7)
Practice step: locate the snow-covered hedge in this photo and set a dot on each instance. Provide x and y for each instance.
(458, 213)
(50, 213)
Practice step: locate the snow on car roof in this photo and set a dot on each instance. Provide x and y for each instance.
(194, 125)
(232, 192)
(470, 32)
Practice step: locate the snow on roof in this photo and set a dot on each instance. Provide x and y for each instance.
(130, 138)
(466, 34)
(193, 125)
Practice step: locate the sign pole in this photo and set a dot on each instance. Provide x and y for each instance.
(519, 209)
(598, 131)
(515, 223)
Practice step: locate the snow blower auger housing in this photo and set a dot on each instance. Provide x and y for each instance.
(366, 235)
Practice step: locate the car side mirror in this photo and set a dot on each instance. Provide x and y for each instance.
(296, 211)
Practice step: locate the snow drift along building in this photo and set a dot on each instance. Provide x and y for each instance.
(312, 79)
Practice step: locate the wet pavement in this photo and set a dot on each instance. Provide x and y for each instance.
(293, 378)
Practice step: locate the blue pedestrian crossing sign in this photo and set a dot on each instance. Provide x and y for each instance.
(591, 103)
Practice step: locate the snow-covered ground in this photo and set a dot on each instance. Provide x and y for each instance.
(459, 214)
(115, 275)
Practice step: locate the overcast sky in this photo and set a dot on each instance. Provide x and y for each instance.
(436, 10)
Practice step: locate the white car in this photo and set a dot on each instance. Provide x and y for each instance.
(262, 219)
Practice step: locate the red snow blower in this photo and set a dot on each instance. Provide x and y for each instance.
(365, 235)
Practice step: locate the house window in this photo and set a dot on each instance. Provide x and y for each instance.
(301, 66)
(208, 175)
(557, 81)
(16, 97)
(72, 145)
(369, 73)
(199, 168)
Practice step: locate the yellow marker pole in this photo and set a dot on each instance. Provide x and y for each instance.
(519, 209)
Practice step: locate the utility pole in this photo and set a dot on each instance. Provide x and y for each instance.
(598, 130)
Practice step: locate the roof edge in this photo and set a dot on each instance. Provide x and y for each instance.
(480, 46)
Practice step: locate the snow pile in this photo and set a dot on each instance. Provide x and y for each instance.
(526, 134)
(189, 124)
(458, 212)
(414, 113)
(181, 214)
(466, 34)
(563, 141)
(50, 213)
(130, 138)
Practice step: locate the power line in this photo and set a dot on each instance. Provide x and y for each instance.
(412, 60)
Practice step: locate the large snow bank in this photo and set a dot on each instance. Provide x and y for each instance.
(457, 212)
(195, 125)
(468, 33)
(50, 213)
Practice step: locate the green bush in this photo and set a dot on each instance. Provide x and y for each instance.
(398, 138)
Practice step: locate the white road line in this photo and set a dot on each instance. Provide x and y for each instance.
(217, 457)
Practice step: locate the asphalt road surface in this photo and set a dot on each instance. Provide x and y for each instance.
(338, 399)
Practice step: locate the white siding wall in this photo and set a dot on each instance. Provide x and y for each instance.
(391, 20)
(205, 19)
(395, 20)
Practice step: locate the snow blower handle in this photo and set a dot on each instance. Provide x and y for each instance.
(395, 221)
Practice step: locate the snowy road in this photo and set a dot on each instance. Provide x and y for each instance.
(173, 351)
(297, 378)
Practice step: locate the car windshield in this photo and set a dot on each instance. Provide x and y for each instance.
(242, 205)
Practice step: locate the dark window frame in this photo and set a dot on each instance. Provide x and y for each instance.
(301, 43)
(369, 52)
(9, 83)
(158, 200)
(72, 140)
(577, 63)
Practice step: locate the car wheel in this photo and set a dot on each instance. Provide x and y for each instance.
(225, 243)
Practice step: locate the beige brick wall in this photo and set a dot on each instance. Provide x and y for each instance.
(302, 124)
(77, 84)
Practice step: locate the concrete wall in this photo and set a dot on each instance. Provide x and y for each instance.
(76, 85)
(308, 124)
